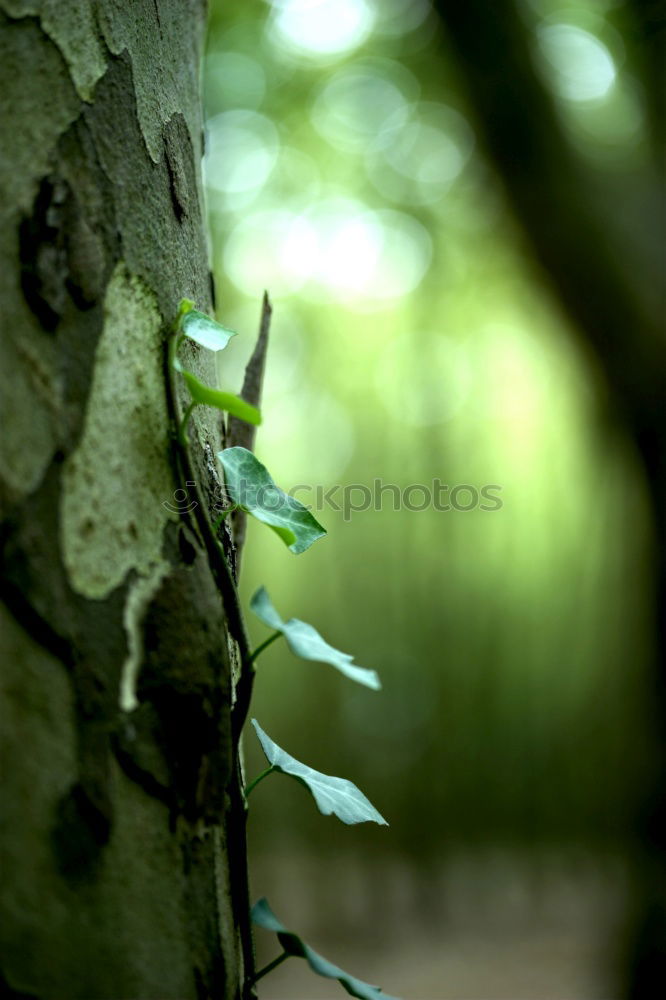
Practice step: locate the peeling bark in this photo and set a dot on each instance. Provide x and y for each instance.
(122, 845)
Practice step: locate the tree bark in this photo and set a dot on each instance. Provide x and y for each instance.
(122, 844)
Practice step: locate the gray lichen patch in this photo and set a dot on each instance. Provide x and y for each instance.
(37, 106)
(145, 38)
(72, 27)
(116, 483)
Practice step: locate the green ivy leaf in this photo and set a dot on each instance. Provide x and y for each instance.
(197, 326)
(249, 485)
(333, 795)
(263, 916)
(305, 641)
(201, 393)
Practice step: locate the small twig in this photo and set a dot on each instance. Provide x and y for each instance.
(240, 433)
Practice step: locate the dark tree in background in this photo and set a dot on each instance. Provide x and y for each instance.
(123, 866)
(604, 259)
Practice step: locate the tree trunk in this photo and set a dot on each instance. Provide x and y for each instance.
(123, 858)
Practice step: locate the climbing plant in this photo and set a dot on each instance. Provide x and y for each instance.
(250, 489)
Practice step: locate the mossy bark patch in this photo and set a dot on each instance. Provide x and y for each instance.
(158, 94)
(71, 25)
(33, 115)
(117, 481)
(130, 928)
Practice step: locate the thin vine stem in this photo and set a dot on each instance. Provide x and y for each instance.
(221, 517)
(271, 965)
(264, 645)
(182, 430)
(216, 552)
(226, 584)
(255, 781)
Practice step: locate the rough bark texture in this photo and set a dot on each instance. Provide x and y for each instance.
(123, 870)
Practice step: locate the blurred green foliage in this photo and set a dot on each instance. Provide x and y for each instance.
(412, 339)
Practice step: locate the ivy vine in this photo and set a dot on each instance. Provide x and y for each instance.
(251, 489)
